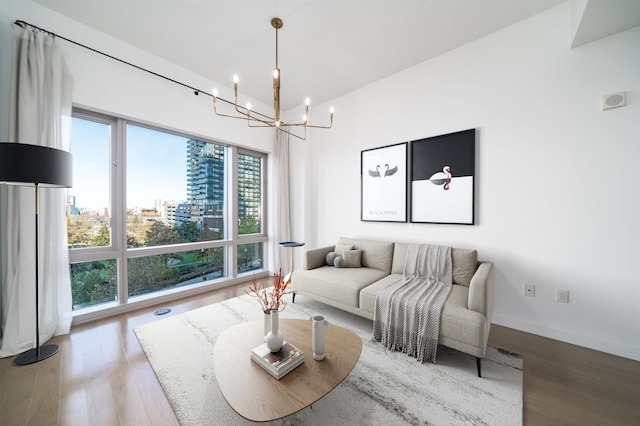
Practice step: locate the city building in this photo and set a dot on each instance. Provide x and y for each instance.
(205, 183)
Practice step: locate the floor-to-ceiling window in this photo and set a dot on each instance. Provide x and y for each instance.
(150, 211)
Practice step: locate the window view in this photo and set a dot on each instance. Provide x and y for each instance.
(88, 222)
(173, 217)
(249, 257)
(249, 193)
(175, 189)
(93, 283)
(164, 271)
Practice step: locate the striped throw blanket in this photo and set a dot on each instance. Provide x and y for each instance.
(407, 313)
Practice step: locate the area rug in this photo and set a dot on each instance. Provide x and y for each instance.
(384, 388)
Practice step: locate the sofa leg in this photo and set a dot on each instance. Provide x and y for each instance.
(293, 298)
(478, 366)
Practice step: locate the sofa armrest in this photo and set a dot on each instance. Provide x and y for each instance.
(315, 258)
(481, 290)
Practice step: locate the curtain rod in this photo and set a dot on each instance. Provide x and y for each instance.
(195, 90)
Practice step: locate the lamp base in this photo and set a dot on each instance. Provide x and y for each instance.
(36, 355)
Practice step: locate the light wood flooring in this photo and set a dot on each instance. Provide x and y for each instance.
(100, 376)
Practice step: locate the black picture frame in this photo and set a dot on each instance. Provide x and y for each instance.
(383, 184)
(443, 179)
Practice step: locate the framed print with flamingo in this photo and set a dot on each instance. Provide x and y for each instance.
(442, 178)
(383, 177)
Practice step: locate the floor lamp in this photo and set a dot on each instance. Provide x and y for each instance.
(27, 165)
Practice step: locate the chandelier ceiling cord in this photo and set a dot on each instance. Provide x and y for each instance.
(254, 121)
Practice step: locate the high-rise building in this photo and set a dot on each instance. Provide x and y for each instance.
(71, 205)
(205, 183)
(249, 186)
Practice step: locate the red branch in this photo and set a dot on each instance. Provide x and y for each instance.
(271, 298)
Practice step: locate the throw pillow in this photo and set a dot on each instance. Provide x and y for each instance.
(352, 258)
(464, 263)
(331, 256)
(341, 248)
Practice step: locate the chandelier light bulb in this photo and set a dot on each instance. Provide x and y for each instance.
(304, 118)
(278, 123)
(235, 78)
(276, 73)
(215, 93)
(307, 101)
(248, 106)
(331, 110)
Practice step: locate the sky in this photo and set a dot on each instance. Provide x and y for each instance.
(156, 168)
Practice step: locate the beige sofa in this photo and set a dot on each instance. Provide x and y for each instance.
(466, 315)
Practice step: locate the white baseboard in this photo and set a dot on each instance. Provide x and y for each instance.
(614, 348)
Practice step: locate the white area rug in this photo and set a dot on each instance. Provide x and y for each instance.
(385, 388)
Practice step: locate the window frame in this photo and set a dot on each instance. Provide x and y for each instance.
(118, 249)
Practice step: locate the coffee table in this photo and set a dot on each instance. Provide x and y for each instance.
(255, 394)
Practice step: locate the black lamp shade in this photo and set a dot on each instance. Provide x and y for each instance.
(31, 164)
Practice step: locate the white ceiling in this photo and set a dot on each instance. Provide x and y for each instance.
(326, 47)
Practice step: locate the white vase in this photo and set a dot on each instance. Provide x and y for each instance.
(267, 323)
(317, 336)
(274, 338)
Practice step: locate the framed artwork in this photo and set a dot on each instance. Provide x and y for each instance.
(442, 178)
(383, 177)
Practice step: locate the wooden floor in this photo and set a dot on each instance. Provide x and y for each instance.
(100, 376)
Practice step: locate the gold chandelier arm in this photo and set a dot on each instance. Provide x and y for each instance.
(251, 119)
(243, 116)
(304, 138)
(306, 124)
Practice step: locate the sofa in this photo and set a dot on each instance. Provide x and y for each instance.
(372, 265)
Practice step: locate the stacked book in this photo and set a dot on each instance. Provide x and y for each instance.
(278, 364)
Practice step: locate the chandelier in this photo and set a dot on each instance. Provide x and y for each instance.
(254, 120)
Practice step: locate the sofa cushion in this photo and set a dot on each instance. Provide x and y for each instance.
(465, 263)
(341, 248)
(369, 293)
(375, 254)
(343, 284)
(352, 259)
(399, 257)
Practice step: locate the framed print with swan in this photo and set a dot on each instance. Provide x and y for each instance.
(443, 178)
(383, 177)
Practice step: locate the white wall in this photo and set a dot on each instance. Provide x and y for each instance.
(557, 190)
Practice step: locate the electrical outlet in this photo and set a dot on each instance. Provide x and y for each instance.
(562, 296)
(529, 290)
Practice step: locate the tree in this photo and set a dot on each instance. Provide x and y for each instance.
(250, 225)
(78, 231)
(189, 231)
(208, 234)
(103, 238)
(160, 234)
(93, 282)
(150, 273)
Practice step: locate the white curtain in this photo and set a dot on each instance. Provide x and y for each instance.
(282, 225)
(40, 114)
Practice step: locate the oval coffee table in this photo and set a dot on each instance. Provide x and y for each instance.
(255, 394)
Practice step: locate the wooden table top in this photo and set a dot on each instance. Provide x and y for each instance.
(255, 394)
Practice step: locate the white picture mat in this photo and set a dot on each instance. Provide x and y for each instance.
(384, 198)
(431, 203)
